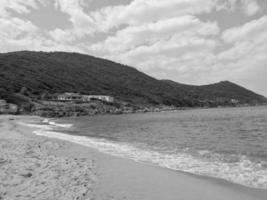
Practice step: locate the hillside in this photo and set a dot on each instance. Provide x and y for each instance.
(221, 90)
(59, 72)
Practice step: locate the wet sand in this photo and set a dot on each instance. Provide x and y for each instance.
(123, 179)
(64, 170)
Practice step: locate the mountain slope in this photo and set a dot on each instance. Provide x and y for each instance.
(221, 90)
(60, 72)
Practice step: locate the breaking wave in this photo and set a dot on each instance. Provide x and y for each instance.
(52, 123)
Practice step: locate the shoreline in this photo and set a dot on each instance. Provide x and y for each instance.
(141, 111)
(121, 178)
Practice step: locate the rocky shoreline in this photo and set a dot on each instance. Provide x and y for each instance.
(52, 109)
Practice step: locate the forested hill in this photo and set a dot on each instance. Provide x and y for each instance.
(59, 72)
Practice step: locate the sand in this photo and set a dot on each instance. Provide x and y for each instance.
(34, 167)
(30, 168)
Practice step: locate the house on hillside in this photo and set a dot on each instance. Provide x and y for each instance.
(84, 98)
(3, 105)
(69, 97)
(234, 101)
(87, 98)
(7, 108)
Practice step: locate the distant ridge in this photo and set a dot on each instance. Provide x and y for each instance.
(58, 72)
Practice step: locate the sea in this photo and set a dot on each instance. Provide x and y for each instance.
(225, 143)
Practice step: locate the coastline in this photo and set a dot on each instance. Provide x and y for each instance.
(138, 111)
(116, 178)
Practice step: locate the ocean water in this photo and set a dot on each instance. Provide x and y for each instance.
(227, 143)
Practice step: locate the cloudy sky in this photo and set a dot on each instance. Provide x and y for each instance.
(189, 41)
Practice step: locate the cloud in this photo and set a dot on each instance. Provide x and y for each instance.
(15, 27)
(247, 41)
(19, 6)
(18, 34)
(136, 13)
(139, 11)
(248, 7)
(248, 31)
(149, 34)
(83, 24)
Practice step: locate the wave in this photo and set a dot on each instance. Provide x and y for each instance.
(243, 171)
(39, 126)
(47, 121)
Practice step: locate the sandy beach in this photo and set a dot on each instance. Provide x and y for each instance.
(30, 168)
(35, 167)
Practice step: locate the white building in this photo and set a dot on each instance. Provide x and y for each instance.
(234, 101)
(69, 97)
(7, 108)
(85, 98)
(99, 97)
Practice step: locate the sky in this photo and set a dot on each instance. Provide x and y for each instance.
(189, 41)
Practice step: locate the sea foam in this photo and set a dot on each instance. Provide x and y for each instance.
(57, 124)
(244, 171)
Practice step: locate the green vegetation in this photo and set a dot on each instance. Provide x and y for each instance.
(26, 77)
